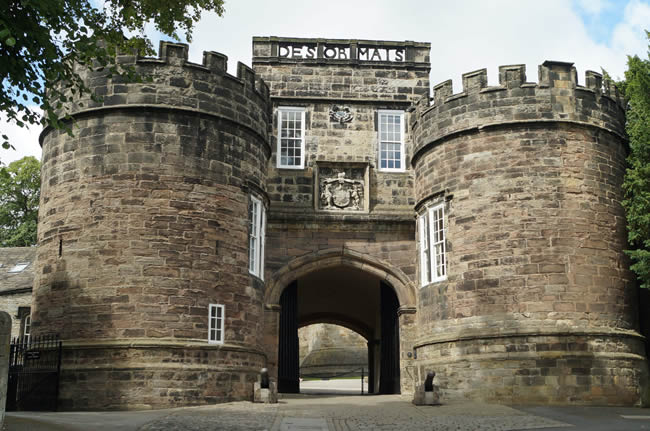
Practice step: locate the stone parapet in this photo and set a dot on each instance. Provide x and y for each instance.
(556, 98)
(171, 82)
(357, 52)
(388, 78)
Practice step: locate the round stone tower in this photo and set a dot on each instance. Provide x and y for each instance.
(538, 305)
(144, 223)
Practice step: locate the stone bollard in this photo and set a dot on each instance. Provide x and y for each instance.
(427, 394)
(5, 340)
(264, 390)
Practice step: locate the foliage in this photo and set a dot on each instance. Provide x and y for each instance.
(20, 190)
(41, 40)
(636, 89)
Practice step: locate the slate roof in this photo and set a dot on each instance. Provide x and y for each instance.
(9, 258)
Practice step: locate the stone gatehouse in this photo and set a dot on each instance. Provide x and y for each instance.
(196, 220)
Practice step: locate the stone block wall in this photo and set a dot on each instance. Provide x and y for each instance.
(538, 302)
(298, 230)
(392, 242)
(144, 223)
(380, 249)
(16, 287)
(17, 306)
(364, 87)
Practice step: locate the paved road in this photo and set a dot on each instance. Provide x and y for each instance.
(293, 413)
(340, 413)
(595, 418)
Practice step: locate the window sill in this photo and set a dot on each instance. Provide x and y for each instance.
(293, 168)
(391, 170)
(215, 342)
(438, 280)
(255, 275)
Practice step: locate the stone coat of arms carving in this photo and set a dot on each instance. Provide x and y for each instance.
(341, 193)
(341, 114)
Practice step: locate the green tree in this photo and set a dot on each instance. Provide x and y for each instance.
(41, 40)
(20, 190)
(636, 88)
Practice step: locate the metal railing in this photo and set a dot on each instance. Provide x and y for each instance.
(34, 368)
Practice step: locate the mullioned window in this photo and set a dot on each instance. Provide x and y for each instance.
(291, 138)
(433, 252)
(391, 140)
(257, 231)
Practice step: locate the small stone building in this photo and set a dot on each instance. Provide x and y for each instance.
(16, 281)
(196, 220)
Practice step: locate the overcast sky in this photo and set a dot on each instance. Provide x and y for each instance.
(465, 35)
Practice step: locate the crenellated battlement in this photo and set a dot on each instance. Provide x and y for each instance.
(177, 54)
(170, 81)
(552, 74)
(556, 97)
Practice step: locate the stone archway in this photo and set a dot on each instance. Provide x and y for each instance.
(333, 257)
(348, 287)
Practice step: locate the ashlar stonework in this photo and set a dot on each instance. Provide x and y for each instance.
(196, 220)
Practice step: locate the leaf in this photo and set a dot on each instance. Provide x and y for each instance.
(62, 33)
(636, 89)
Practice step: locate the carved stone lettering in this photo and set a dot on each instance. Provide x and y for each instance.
(340, 52)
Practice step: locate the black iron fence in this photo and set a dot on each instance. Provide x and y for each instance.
(34, 368)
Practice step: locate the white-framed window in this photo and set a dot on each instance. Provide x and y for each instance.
(216, 323)
(291, 138)
(257, 230)
(26, 327)
(433, 253)
(391, 140)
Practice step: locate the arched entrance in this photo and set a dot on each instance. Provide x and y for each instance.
(351, 291)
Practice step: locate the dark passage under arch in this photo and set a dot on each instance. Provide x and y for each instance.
(345, 293)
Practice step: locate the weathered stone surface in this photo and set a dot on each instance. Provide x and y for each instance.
(143, 225)
(265, 395)
(539, 301)
(16, 287)
(302, 237)
(363, 88)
